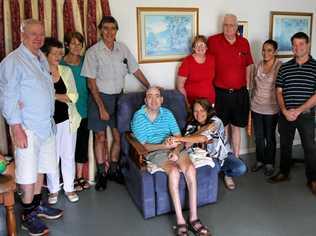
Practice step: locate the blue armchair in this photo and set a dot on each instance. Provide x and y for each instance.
(150, 191)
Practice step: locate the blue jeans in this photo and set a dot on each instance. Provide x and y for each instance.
(233, 166)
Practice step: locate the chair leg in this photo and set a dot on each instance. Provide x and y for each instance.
(11, 223)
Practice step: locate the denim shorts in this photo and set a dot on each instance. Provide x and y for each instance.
(110, 104)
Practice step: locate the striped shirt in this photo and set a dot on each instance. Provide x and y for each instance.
(157, 131)
(298, 82)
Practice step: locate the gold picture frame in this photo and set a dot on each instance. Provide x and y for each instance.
(165, 34)
(284, 24)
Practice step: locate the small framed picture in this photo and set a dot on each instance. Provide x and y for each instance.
(243, 29)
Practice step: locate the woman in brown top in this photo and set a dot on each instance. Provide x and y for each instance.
(264, 107)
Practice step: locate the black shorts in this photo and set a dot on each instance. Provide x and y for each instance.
(232, 106)
(110, 103)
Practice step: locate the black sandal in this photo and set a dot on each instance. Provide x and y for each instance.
(198, 230)
(83, 183)
(181, 230)
(77, 186)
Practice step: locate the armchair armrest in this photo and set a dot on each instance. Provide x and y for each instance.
(138, 151)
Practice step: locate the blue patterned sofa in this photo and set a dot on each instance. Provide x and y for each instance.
(150, 191)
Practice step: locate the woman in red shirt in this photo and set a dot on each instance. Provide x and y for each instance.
(196, 73)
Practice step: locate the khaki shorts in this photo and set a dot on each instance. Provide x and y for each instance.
(159, 157)
(38, 157)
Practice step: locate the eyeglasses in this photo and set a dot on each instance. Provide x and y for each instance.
(200, 45)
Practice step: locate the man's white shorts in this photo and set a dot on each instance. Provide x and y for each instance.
(38, 157)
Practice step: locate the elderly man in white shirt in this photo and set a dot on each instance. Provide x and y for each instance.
(106, 64)
(27, 103)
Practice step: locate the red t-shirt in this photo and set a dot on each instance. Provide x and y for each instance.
(231, 61)
(199, 83)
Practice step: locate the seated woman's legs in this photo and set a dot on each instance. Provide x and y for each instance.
(233, 166)
(189, 171)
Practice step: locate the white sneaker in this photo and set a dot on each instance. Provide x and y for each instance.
(72, 196)
(53, 198)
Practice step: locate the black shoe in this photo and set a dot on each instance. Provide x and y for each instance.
(101, 182)
(258, 166)
(268, 170)
(117, 176)
(278, 178)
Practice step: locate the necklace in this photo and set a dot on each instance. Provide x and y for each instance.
(55, 74)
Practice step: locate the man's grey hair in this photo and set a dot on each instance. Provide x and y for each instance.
(27, 22)
(232, 16)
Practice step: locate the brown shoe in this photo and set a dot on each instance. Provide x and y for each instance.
(278, 178)
(229, 183)
(312, 186)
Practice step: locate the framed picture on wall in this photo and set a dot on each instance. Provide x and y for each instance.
(283, 25)
(165, 34)
(243, 29)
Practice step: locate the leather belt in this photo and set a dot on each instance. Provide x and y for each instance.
(231, 90)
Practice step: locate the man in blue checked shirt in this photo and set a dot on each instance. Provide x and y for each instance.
(153, 125)
(27, 103)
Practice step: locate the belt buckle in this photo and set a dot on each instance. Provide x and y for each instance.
(230, 90)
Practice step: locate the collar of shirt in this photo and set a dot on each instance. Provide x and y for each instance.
(102, 46)
(310, 59)
(226, 41)
(40, 58)
(145, 113)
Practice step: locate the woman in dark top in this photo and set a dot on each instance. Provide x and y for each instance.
(67, 121)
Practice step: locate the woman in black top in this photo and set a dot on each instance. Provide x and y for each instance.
(67, 121)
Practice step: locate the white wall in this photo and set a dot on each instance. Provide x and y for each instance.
(257, 13)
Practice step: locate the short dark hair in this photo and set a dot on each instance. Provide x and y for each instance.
(273, 43)
(72, 35)
(50, 43)
(300, 35)
(108, 19)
